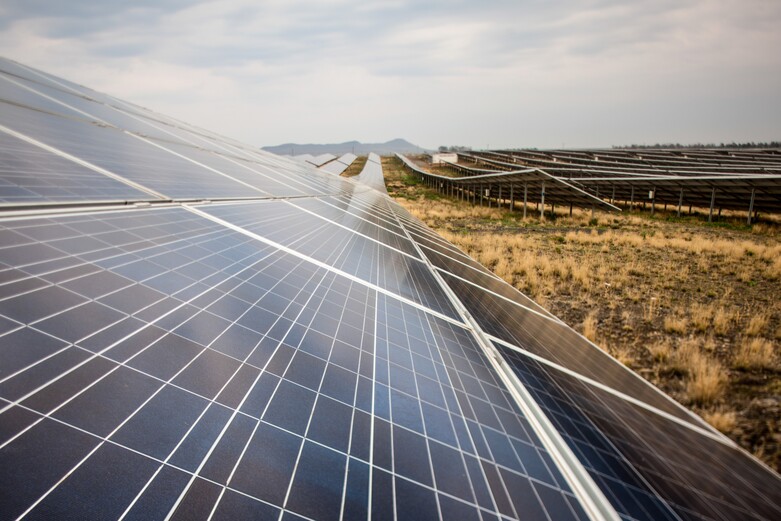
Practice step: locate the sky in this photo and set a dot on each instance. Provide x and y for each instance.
(489, 74)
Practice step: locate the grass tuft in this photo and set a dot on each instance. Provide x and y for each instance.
(590, 326)
(757, 324)
(754, 353)
(723, 421)
(675, 324)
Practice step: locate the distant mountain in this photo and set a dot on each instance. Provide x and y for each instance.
(356, 147)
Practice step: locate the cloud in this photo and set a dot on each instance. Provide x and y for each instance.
(508, 73)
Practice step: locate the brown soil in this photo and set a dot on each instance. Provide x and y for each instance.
(356, 167)
(673, 298)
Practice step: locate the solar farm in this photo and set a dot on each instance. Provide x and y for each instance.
(192, 328)
(741, 179)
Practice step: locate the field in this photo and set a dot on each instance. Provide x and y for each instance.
(693, 307)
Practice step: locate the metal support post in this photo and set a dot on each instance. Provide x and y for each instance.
(542, 201)
(653, 200)
(680, 202)
(512, 199)
(525, 192)
(751, 207)
(712, 202)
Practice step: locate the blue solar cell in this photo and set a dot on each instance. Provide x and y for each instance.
(29, 471)
(95, 490)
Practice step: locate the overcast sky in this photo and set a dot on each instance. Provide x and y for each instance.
(520, 73)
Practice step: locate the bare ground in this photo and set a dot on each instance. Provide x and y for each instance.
(693, 307)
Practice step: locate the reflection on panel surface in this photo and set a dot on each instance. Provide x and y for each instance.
(30, 174)
(339, 247)
(559, 344)
(651, 466)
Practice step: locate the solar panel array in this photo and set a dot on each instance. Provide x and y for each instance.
(192, 328)
(527, 184)
(338, 165)
(738, 179)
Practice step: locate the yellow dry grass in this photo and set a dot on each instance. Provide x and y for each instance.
(723, 320)
(701, 316)
(707, 381)
(705, 377)
(694, 244)
(754, 353)
(721, 420)
(660, 351)
(675, 324)
(590, 326)
(757, 324)
(773, 270)
(623, 354)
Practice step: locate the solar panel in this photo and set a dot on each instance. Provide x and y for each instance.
(30, 174)
(339, 165)
(255, 338)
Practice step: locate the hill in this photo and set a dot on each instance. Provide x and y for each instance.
(356, 147)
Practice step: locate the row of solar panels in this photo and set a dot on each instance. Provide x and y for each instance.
(701, 184)
(651, 161)
(340, 164)
(80, 148)
(528, 185)
(296, 345)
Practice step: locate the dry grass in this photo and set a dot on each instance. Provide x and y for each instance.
(590, 326)
(757, 324)
(675, 324)
(707, 381)
(701, 317)
(773, 270)
(693, 244)
(660, 351)
(754, 353)
(650, 309)
(721, 420)
(723, 320)
(623, 354)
